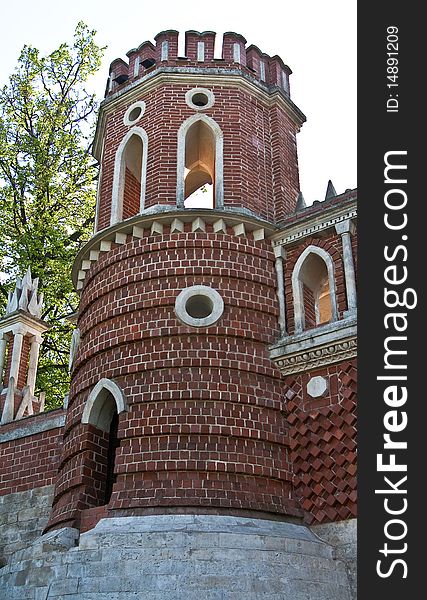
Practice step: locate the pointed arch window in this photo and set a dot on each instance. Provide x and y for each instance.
(200, 164)
(102, 409)
(130, 168)
(313, 288)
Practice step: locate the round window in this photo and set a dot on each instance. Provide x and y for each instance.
(199, 306)
(199, 98)
(134, 113)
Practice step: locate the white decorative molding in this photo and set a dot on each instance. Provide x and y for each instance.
(239, 229)
(105, 246)
(98, 411)
(200, 51)
(186, 76)
(120, 238)
(25, 296)
(317, 386)
(156, 228)
(134, 113)
(236, 53)
(164, 50)
(315, 348)
(220, 226)
(321, 357)
(297, 285)
(119, 176)
(219, 177)
(198, 225)
(75, 341)
(294, 233)
(137, 232)
(210, 98)
(346, 229)
(177, 225)
(139, 226)
(214, 306)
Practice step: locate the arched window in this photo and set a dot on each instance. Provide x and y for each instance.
(200, 164)
(313, 288)
(130, 167)
(102, 409)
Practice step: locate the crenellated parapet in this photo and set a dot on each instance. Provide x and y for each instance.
(269, 71)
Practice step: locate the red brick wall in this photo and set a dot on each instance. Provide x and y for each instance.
(323, 442)
(131, 195)
(22, 374)
(309, 308)
(260, 158)
(205, 426)
(81, 483)
(8, 362)
(32, 461)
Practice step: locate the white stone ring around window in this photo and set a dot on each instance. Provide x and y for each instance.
(199, 306)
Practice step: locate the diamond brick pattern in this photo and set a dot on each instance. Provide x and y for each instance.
(323, 447)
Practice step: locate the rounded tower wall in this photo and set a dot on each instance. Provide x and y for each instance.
(204, 426)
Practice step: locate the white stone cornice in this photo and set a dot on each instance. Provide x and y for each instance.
(153, 221)
(22, 322)
(313, 224)
(315, 348)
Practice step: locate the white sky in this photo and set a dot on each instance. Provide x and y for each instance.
(316, 38)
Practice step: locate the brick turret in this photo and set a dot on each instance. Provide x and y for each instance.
(213, 364)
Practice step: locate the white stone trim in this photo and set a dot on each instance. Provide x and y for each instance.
(136, 66)
(315, 348)
(177, 225)
(219, 169)
(280, 256)
(285, 82)
(297, 287)
(186, 75)
(239, 229)
(259, 234)
(198, 225)
(220, 226)
(119, 180)
(93, 412)
(126, 119)
(199, 90)
(319, 223)
(156, 228)
(98, 187)
(262, 70)
(140, 226)
(33, 360)
(137, 232)
(199, 290)
(3, 344)
(236, 53)
(200, 51)
(346, 229)
(317, 386)
(34, 425)
(75, 341)
(165, 50)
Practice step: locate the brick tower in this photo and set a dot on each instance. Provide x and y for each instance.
(213, 362)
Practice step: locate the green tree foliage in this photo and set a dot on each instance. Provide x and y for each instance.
(47, 186)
